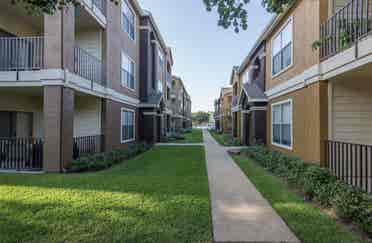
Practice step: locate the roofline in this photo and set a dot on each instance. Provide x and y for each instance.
(138, 7)
(148, 14)
(234, 70)
(265, 33)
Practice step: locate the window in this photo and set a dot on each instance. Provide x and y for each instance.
(282, 49)
(160, 71)
(127, 125)
(128, 20)
(246, 76)
(127, 72)
(282, 124)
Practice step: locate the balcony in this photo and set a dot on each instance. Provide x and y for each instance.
(88, 66)
(21, 154)
(345, 28)
(21, 53)
(351, 163)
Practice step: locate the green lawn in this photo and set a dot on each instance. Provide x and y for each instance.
(195, 136)
(307, 222)
(160, 196)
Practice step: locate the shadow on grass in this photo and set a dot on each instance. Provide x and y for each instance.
(160, 196)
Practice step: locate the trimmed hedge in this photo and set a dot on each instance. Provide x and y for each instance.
(101, 161)
(318, 184)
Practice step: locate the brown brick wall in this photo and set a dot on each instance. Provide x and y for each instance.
(111, 124)
(58, 127)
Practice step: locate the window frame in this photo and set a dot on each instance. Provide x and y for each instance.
(130, 8)
(124, 54)
(281, 103)
(123, 109)
(279, 32)
(160, 70)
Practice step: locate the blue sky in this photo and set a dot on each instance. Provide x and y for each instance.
(204, 53)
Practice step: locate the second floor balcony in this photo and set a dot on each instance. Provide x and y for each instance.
(345, 27)
(21, 53)
(28, 54)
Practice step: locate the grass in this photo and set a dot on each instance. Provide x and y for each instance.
(195, 136)
(159, 196)
(309, 223)
(222, 139)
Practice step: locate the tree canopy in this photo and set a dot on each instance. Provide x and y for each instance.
(232, 13)
(200, 117)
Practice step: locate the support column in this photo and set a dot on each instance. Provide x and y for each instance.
(324, 106)
(59, 32)
(58, 127)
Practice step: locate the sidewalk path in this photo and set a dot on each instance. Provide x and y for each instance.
(239, 212)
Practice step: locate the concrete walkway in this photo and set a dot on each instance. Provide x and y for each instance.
(239, 212)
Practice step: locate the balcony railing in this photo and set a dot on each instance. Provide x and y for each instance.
(22, 154)
(351, 163)
(87, 145)
(345, 27)
(101, 5)
(21, 53)
(88, 66)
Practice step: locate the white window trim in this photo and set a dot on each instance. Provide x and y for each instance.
(134, 74)
(290, 101)
(135, 20)
(121, 126)
(290, 19)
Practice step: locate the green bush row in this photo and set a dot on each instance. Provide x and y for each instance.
(101, 161)
(350, 203)
(230, 140)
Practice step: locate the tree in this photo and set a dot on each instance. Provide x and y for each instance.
(200, 117)
(232, 13)
(47, 6)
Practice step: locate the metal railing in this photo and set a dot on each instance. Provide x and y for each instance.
(351, 163)
(88, 66)
(22, 154)
(21, 53)
(87, 145)
(101, 5)
(345, 27)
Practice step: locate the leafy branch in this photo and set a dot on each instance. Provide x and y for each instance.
(232, 13)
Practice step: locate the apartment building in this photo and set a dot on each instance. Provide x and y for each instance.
(154, 76)
(225, 115)
(187, 115)
(319, 100)
(217, 114)
(251, 101)
(180, 105)
(87, 79)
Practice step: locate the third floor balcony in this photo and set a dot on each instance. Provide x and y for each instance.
(345, 27)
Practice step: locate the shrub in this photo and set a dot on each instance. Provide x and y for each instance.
(229, 140)
(314, 178)
(101, 161)
(366, 218)
(350, 203)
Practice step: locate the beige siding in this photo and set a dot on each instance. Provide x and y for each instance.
(16, 25)
(87, 117)
(91, 41)
(309, 121)
(352, 111)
